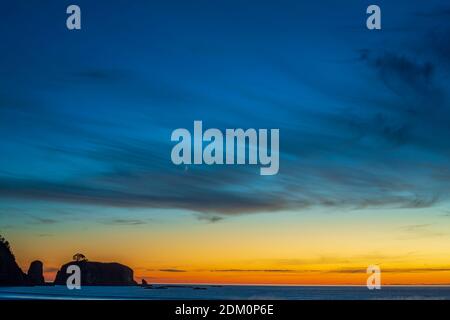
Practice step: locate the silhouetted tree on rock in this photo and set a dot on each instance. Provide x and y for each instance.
(79, 257)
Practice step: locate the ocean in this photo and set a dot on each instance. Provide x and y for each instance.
(228, 292)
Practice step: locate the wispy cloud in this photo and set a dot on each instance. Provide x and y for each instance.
(126, 222)
(43, 220)
(172, 270)
(259, 270)
(421, 231)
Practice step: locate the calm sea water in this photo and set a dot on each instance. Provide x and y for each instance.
(169, 292)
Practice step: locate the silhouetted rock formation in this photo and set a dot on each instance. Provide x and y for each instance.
(98, 274)
(36, 273)
(92, 273)
(10, 272)
(144, 282)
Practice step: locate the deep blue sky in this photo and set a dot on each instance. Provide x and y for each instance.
(86, 116)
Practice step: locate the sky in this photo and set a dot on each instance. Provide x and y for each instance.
(86, 118)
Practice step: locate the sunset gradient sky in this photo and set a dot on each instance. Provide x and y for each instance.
(364, 118)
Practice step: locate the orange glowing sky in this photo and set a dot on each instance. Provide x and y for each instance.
(278, 248)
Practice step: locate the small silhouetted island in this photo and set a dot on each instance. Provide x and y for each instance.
(98, 274)
(92, 273)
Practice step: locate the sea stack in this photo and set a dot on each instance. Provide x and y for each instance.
(36, 273)
(98, 274)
